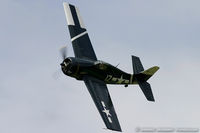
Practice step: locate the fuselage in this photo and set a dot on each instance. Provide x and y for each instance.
(77, 68)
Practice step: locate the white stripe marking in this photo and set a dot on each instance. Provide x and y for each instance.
(103, 104)
(80, 35)
(79, 18)
(68, 14)
(109, 119)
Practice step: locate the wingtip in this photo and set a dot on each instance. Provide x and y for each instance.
(65, 3)
(116, 130)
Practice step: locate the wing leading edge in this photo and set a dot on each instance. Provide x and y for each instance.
(81, 43)
(101, 97)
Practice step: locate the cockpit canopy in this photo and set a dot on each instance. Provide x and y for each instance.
(101, 65)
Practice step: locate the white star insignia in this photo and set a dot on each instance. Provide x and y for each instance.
(107, 112)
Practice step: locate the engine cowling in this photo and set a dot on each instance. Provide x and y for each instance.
(72, 66)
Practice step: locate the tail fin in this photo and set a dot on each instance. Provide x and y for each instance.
(137, 65)
(142, 76)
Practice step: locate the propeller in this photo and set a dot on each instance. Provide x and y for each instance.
(56, 75)
(63, 52)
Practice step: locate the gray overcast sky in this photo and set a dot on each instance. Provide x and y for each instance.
(164, 33)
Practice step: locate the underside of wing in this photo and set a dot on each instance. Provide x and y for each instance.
(101, 97)
(79, 37)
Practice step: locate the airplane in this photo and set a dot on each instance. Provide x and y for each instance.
(96, 73)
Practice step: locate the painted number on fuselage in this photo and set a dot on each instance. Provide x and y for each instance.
(110, 78)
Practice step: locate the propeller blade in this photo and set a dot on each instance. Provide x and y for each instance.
(56, 75)
(63, 52)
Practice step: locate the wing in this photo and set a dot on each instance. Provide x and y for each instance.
(79, 37)
(100, 95)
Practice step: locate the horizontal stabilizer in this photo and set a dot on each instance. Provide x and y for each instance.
(146, 89)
